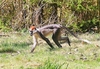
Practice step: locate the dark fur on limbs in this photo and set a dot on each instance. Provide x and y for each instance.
(55, 38)
(45, 39)
(68, 41)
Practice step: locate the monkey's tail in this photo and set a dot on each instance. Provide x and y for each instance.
(83, 40)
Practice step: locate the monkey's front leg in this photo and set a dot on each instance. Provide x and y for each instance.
(35, 43)
(45, 39)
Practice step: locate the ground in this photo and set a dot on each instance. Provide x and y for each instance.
(15, 53)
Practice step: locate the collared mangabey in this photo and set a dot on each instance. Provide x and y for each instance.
(55, 30)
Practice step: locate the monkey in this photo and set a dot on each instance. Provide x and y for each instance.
(55, 30)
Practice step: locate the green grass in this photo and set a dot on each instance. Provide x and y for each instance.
(15, 54)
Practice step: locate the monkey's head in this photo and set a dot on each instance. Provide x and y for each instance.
(31, 29)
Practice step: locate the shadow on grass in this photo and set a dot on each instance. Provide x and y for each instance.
(54, 49)
(13, 47)
(7, 50)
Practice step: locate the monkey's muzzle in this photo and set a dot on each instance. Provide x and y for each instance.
(31, 33)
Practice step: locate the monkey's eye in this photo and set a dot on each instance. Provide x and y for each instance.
(31, 33)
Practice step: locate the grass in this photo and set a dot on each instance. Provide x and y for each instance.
(15, 53)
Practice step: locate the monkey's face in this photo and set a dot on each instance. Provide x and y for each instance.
(31, 30)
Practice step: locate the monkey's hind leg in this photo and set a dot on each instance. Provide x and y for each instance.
(65, 39)
(55, 38)
(68, 41)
